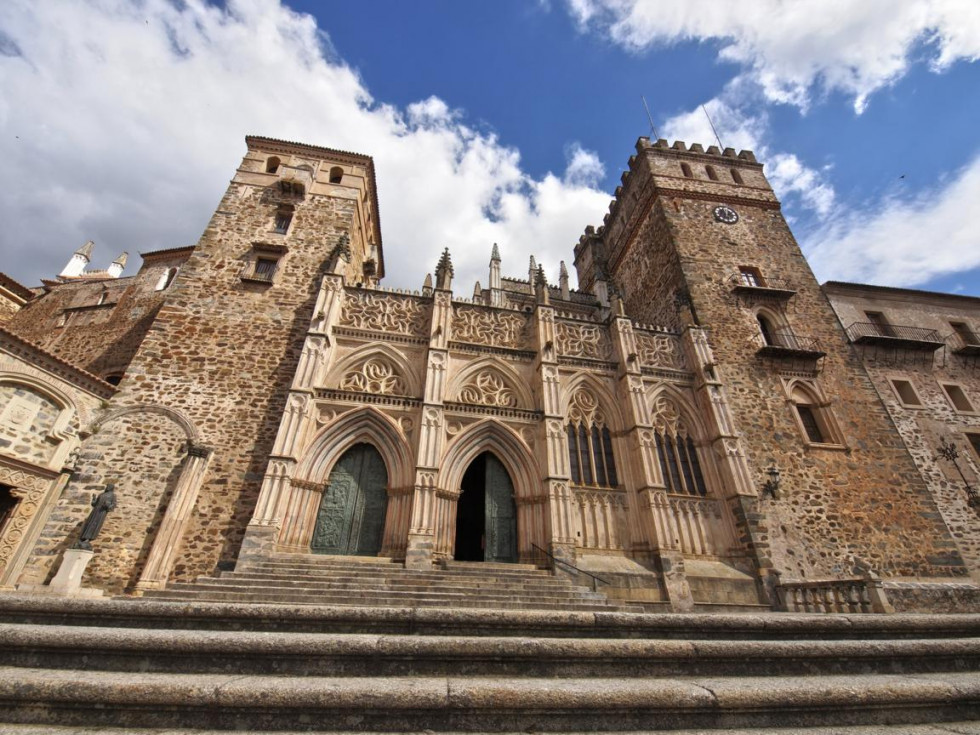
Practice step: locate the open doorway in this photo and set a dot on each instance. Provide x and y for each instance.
(486, 515)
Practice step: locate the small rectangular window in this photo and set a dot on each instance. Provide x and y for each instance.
(284, 215)
(906, 393)
(810, 424)
(958, 398)
(963, 331)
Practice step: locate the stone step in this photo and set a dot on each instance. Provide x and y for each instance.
(407, 578)
(331, 654)
(354, 570)
(131, 612)
(298, 598)
(477, 703)
(940, 728)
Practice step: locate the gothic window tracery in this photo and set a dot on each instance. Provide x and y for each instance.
(590, 452)
(680, 464)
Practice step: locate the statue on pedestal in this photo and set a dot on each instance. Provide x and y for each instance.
(101, 505)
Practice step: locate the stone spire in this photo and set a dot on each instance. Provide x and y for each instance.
(80, 259)
(444, 272)
(541, 286)
(118, 265)
(477, 292)
(532, 273)
(495, 253)
(427, 285)
(563, 281)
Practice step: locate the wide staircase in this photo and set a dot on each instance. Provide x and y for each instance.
(308, 579)
(129, 665)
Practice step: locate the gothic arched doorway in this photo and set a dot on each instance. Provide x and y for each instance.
(352, 512)
(486, 516)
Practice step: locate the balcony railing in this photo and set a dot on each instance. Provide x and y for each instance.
(786, 343)
(895, 335)
(769, 288)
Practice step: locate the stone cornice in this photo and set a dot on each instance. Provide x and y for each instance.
(40, 357)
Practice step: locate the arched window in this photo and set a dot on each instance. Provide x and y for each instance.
(680, 463)
(769, 334)
(336, 175)
(272, 165)
(686, 170)
(710, 170)
(590, 452)
(736, 176)
(816, 421)
(166, 279)
(114, 379)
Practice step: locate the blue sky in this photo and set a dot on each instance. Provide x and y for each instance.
(503, 122)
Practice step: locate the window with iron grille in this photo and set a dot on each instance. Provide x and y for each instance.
(810, 424)
(284, 216)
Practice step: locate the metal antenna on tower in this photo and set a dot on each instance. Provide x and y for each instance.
(656, 135)
(712, 127)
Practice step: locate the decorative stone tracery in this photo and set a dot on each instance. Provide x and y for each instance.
(383, 312)
(582, 340)
(492, 328)
(487, 388)
(660, 351)
(375, 375)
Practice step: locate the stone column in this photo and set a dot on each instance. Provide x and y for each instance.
(431, 512)
(158, 564)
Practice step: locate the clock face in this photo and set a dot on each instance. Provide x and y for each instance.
(726, 214)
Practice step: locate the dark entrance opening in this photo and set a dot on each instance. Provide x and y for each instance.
(486, 516)
(7, 505)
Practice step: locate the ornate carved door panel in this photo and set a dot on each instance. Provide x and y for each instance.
(352, 512)
(501, 513)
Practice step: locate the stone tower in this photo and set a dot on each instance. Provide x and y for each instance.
(191, 428)
(695, 240)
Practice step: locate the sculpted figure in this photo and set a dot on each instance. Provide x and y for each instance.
(101, 505)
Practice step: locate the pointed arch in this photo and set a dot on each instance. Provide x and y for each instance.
(174, 414)
(362, 426)
(603, 394)
(511, 381)
(687, 410)
(678, 435)
(380, 360)
(490, 436)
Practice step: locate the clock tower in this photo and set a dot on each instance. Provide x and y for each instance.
(695, 241)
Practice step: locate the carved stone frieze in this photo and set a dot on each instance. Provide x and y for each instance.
(582, 340)
(375, 375)
(384, 312)
(660, 350)
(487, 388)
(491, 327)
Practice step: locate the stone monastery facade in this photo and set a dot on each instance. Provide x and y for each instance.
(698, 424)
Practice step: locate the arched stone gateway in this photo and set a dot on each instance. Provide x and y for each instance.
(352, 512)
(486, 514)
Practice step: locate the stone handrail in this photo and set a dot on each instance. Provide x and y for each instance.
(855, 595)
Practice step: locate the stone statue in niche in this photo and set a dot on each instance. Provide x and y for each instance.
(101, 505)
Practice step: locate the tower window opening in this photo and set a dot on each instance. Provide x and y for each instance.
(958, 398)
(966, 335)
(880, 324)
(284, 216)
(336, 175)
(736, 176)
(114, 379)
(906, 393)
(712, 174)
(686, 170)
(272, 165)
(166, 279)
(768, 333)
(815, 418)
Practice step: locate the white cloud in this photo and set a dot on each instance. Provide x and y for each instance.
(791, 48)
(902, 242)
(122, 122)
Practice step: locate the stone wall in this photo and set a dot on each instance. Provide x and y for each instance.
(98, 325)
